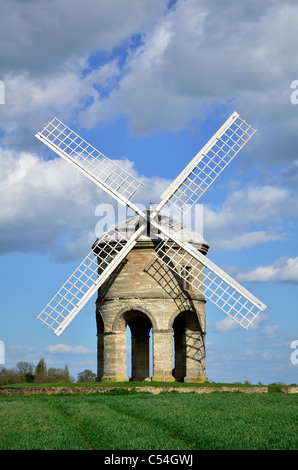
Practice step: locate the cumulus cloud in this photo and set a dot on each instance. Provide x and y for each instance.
(227, 324)
(283, 270)
(46, 54)
(32, 101)
(195, 61)
(249, 216)
(41, 36)
(161, 69)
(272, 332)
(44, 201)
(68, 349)
(51, 207)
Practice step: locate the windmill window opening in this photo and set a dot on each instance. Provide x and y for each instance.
(186, 277)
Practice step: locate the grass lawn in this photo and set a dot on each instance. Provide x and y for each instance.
(120, 420)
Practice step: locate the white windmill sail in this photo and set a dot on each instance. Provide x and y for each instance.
(188, 187)
(104, 172)
(94, 270)
(210, 280)
(206, 166)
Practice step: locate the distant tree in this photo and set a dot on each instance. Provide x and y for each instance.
(58, 375)
(41, 375)
(25, 371)
(29, 378)
(66, 374)
(8, 376)
(24, 367)
(54, 375)
(86, 376)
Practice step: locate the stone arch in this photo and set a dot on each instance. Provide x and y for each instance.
(140, 326)
(189, 347)
(183, 310)
(119, 323)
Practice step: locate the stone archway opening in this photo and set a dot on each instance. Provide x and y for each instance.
(138, 345)
(188, 348)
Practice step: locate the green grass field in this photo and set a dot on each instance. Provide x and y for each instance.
(135, 421)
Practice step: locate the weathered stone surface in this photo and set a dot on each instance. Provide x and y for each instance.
(291, 389)
(146, 295)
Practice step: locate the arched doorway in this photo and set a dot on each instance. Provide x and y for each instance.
(139, 362)
(189, 348)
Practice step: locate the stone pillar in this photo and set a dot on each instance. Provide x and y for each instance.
(100, 356)
(114, 369)
(194, 356)
(180, 360)
(162, 356)
(189, 348)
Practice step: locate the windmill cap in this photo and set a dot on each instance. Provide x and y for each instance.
(124, 230)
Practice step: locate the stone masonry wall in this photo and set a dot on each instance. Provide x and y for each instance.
(143, 290)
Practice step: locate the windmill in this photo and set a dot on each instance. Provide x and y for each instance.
(184, 192)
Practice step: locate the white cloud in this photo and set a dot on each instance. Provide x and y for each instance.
(42, 35)
(284, 270)
(33, 101)
(195, 59)
(225, 325)
(51, 207)
(187, 61)
(44, 201)
(46, 51)
(255, 355)
(68, 349)
(184, 63)
(248, 217)
(272, 331)
(228, 324)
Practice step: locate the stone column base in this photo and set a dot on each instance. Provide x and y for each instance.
(114, 378)
(163, 378)
(195, 379)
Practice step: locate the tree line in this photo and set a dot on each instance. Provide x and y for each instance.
(26, 372)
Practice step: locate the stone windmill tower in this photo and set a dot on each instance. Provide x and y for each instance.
(146, 295)
(150, 273)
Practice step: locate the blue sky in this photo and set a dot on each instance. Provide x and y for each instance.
(148, 83)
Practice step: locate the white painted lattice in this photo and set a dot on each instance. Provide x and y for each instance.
(212, 285)
(208, 163)
(89, 160)
(189, 264)
(86, 279)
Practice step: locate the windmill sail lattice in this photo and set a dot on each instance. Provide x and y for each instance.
(188, 187)
(207, 165)
(217, 286)
(86, 280)
(87, 159)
